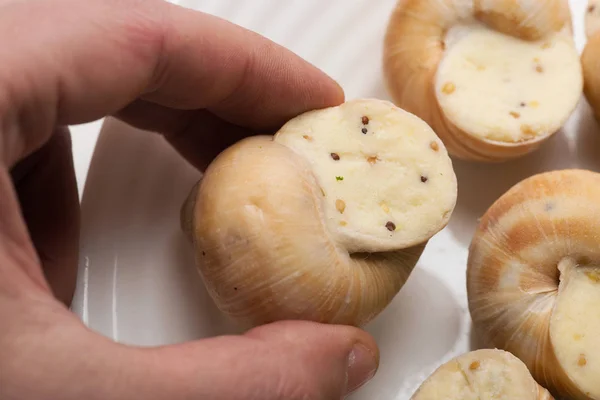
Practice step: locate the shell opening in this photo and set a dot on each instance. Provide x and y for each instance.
(525, 19)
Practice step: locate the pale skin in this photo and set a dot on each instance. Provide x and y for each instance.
(201, 82)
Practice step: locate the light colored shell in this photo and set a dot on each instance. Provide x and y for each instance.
(266, 250)
(513, 272)
(590, 59)
(415, 45)
(482, 374)
(525, 19)
(592, 18)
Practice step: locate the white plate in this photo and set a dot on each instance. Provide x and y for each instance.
(137, 281)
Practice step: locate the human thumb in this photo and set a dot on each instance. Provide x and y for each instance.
(289, 360)
(326, 361)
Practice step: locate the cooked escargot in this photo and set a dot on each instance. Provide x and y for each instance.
(590, 59)
(324, 221)
(482, 375)
(533, 279)
(493, 78)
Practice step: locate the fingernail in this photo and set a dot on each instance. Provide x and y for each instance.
(362, 365)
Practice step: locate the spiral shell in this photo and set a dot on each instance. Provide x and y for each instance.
(494, 79)
(590, 58)
(533, 279)
(482, 374)
(326, 220)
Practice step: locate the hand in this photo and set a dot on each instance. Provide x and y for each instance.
(202, 83)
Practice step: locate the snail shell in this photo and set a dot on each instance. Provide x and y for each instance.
(494, 79)
(482, 374)
(324, 221)
(533, 279)
(590, 58)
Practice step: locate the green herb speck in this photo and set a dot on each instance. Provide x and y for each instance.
(339, 178)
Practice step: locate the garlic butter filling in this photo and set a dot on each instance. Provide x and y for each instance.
(481, 375)
(385, 177)
(500, 88)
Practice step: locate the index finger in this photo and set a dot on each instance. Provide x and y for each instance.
(78, 61)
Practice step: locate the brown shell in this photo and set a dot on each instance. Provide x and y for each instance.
(529, 20)
(414, 46)
(264, 252)
(590, 58)
(512, 272)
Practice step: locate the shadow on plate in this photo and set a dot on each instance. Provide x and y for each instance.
(414, 332)
(203, 318)
(479, 184)
(587, 148)
(476, 342)
(379, 91)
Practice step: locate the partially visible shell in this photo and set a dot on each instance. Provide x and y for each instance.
(592, 18)
(482, 374)
(519, 260)
(525, 19)
(414, 47)
(590, 58)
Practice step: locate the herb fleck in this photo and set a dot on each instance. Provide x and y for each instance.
(340, 205)
(372, 160)
(385, 208)
(593, 275)
(527, 131)
(339, 178)
(448, 88)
